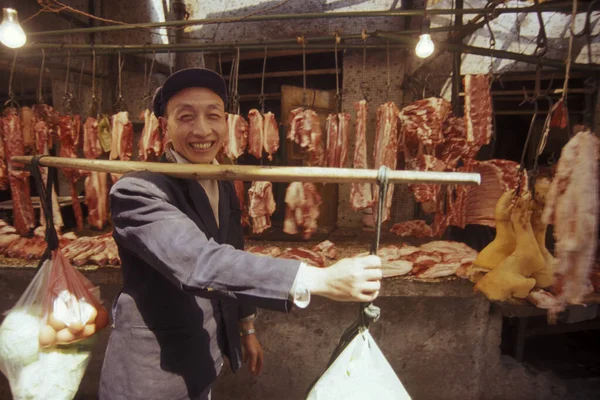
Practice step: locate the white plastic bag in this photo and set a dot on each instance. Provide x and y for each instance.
(360, 372)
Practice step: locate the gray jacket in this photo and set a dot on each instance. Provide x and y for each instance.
(186, 284)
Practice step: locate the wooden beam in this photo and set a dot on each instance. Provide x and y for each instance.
(285, 74)
(227, 56)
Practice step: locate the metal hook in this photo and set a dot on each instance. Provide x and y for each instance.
(40, 97)
(261, 98)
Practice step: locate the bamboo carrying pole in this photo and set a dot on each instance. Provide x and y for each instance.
(256, 173)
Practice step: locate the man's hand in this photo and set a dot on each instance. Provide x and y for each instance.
(252, 352)
(350, 279)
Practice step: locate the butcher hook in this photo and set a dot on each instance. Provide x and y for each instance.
(11, 96)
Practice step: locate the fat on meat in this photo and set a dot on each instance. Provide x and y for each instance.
(302, 209)
(305, 130)
(69, 133)
(23, 213)
(256, 133)
(414, 228)
(385, 151)
(337, 139)
(262, 205)
(271, 135)
(478, 109)
(361, 194)
(237, 136)
(122, 137)
(91, 141)
(269, 251)
(422, 123)
(151, 142)
(28, 134)
(96, 198)
(423, 192)
(572, 206)
(307, 256)
(46, 123)
(476, 205)
(240, 191)
(327, 248)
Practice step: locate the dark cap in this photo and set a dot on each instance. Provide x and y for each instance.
(187, 78)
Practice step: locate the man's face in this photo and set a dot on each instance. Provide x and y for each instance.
(196, 124)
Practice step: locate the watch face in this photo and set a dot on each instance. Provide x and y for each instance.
(302, 296)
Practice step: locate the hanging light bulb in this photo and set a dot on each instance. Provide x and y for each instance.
(11, 33)
(425, 46)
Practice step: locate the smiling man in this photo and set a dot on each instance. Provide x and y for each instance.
(190, 292)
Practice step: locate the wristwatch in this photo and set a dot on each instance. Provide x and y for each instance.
(301, 292)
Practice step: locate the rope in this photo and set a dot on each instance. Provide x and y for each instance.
(303, 42)
(120, 99)
(11, 96)
(80, 84)
(202, 57)
(67, 96)
(569, 59)
(338, 97)
(45, 194)
(261, 98)
(40, 98)
(388, 86)
(529, 134)
(94, 110)
(363, 83)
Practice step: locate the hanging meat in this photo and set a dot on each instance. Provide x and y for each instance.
(478, 109)
(3, 164)
(337, 139)
(255, 133)
(271, 135)
(96, 198)
(302, 211)
(262, 205)
(122, 137)
(28, 135)
(572, 206)
(23, 214)
(305, 130)
(45, 123)
(241, 195)
(237, 136)
(426, 194)
(91, 142)
(69, 133)
(385, 150)
(476, 205)
(422, 123)
(150, 145)
(361, 195)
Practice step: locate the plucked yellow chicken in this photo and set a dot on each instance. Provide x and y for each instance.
(504, 243)
(512, 278)
(545, 277)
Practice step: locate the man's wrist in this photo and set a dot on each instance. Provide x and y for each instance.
(247, 332)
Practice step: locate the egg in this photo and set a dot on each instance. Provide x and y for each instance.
(75, 327)
(55, 323)
(65, 336)
(101, 319)
(88, 330)
(93, 315)
(47, 336)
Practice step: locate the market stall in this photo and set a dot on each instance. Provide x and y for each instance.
(329, 165)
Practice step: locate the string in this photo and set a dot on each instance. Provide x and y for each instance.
(40, 98)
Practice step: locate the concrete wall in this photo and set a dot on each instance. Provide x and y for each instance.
(440, 339)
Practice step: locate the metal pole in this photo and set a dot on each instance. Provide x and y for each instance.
(462, 48)
(456, 105)
(558, 6)
(256, 173)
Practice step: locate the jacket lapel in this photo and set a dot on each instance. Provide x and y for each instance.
(202, 206)
(224, 209)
